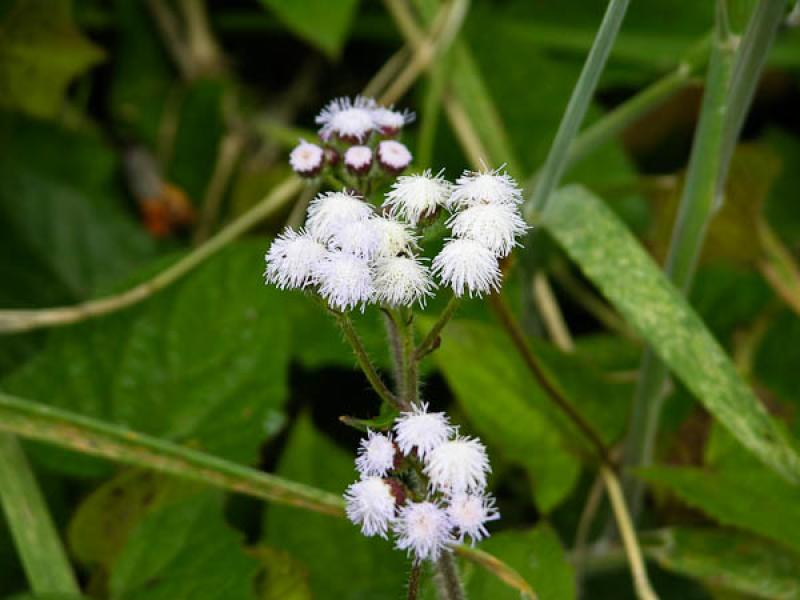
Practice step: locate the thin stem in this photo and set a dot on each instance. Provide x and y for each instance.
(553, 319)
(448, 582)
(391, 320)
(431, 341)
(514, 330)
(576, 109)
(413, 581)
(365, 363)
(387, 73)
(696, 208)
(497, 568)
(644, 591)
(12, 321)
(35, 536)
(411, 382)
(588, 515)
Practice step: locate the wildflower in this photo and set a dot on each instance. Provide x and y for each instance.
(495, 226)
(371, 504)
(401, 281)
(307, 159)
(361, 238)
(458, 465)
(375, 455)
(330, 211)
(389, 122)
(487, 187)
(393, 156)
(417, 196)
(424, 529)
(358, 159)
(345, 280)
(470, 513)
(467, 267)
(395, 237)
(292, 259)
(418, 429)
(350, 120)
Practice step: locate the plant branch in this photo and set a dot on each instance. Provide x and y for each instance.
(497, 568)
(351, 335)
(413, 581)
(411, 382)
(644, 591)
(431, 341)
(446, 578)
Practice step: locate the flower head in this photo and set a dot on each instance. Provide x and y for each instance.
(393, 156)
(351, 120)
(417, 196)
(371, 504)
(345, 280)
(485, 187)
(402, 281)
(467, 266)
(459, 465)
(358, 159)
(470, 513)
(307, 159)
(330, 211)
(395, 237)
(421, 430)
(375, 455)
(361, 238)
(424, 529)
(495, 226)
(293, 258)
(389, 121)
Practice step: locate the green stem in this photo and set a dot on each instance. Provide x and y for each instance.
(556, 161)
(447, 580)
(365, 363)
(411, 384)
(430, 342)
(42, 555)
(413, 581)
(47, 424)
(392, 320)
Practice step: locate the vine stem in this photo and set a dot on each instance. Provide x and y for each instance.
(351, 335)
(428, 344)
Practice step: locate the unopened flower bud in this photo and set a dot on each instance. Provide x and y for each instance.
(358, 159)
(393, 156)
(307, 159)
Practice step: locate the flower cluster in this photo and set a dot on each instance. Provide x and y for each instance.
(423, 482)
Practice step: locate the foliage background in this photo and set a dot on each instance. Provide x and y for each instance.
(218, 362)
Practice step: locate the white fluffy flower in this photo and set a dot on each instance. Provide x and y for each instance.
(389, 121)
(358, 159)
(306, 159)
(418, 429)
(395, 236)
(330, 211)
(375, 455)
(417, 196)
(424, 529)
(486, 187)
(371, 504)
(361, 238)
(459, 465)
(345, 280)
(495, 226)
(470, 513)
(393, 156)
(350, 120)
(402, 281)
(293, 258)
(467, 266)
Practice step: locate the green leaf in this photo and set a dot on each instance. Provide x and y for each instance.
(730, 560)
(320, 22)
(615, 262)
(184, 551)
(281, 577)
(41, 52)
(203, 362)
(508, 408)
(537, 555)
(341, 563)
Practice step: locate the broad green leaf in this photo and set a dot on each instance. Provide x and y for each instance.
(729, 560)
(184, 551)
(615, 262)
(341, 563)
(281, 577)
(508, 408)
(537, 555)
(321, 22)
(203, 363)
(41, 52)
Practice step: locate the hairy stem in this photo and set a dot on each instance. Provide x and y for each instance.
(352, 337)
(430, 342)
(448, 582)
(413, 581)
(411, 384)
